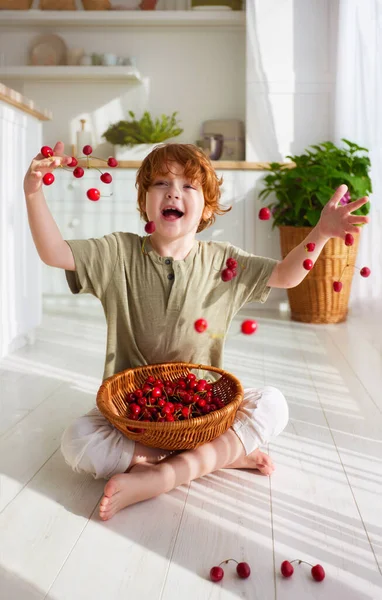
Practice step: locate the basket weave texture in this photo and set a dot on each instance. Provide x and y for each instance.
(177, 435)
(15, 4)
(314, 300)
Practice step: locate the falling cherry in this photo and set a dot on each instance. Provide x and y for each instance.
(307, 264)
(349, 239)
(264, 214)
(200, 325)
(248, 327)
(337, 286)
(78, 172)
(93, 194)
(106, 178)
(365, 272)
(150, 227)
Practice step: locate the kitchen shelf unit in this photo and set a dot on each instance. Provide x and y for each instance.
(70, 73)
(121, 18)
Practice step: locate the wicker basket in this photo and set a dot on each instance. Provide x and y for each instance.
(58, 5)
(314, 301)
(96, 4)
(177, 435)
(15, 4)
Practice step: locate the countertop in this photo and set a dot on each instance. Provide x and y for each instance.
(21, 102)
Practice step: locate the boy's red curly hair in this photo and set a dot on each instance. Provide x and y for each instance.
(197, 167)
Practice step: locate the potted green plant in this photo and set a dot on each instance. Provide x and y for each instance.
(134, 139)
(300, 191)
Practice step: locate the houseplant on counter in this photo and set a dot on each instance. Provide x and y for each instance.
(302, 190)
(134, 139)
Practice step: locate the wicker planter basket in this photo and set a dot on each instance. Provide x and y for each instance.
(15, 4)
(314, 301)
(177, 435)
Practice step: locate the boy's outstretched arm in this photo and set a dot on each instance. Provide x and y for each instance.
(51, 247)
(335, 221)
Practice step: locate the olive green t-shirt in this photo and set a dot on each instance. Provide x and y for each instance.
(152, 302)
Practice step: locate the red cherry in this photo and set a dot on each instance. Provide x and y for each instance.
(234, 272)
(48, 178)
(135, 409)
(307, 264)
(73, 162)
(93, 194)
(186, 412)
(226, 274)
(78, 172)
(349, 240)
(156, 392)
(310, 246)
(46, 151)
(231, 263)
(318, 572)
(150, 227)
(243, 570)
(337, 286)
(200, 325)
(112, 162)
(365, 272)
(216, 574)
(264, 214)
(106, 178)
(248, 327)
(287, 569)
(87, 150)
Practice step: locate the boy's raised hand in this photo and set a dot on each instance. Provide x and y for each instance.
(40, 165)
(336, 220)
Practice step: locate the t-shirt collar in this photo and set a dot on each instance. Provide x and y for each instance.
(158, 258)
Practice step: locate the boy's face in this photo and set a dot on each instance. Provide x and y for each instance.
(175, 204)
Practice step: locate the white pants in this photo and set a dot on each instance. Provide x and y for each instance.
(92, 445)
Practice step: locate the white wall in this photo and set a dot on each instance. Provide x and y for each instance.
(200, 73)
(291, 50)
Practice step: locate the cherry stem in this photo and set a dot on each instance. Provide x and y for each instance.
(227, 561)
(98, 158)
(216, 335)
(300, 561)
(143, 245)
(343, 270)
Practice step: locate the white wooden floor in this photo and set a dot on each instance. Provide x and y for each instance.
(323, 503)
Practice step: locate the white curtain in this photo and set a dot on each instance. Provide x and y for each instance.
(358, 117)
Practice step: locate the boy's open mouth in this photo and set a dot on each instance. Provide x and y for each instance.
(172, 214)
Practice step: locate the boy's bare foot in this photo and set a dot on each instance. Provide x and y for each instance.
(146, 481)
(121, 491)
(256, 460)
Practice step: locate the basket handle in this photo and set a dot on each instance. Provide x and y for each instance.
(134, 433)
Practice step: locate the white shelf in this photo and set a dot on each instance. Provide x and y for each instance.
(122, 18)
(68, 73)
